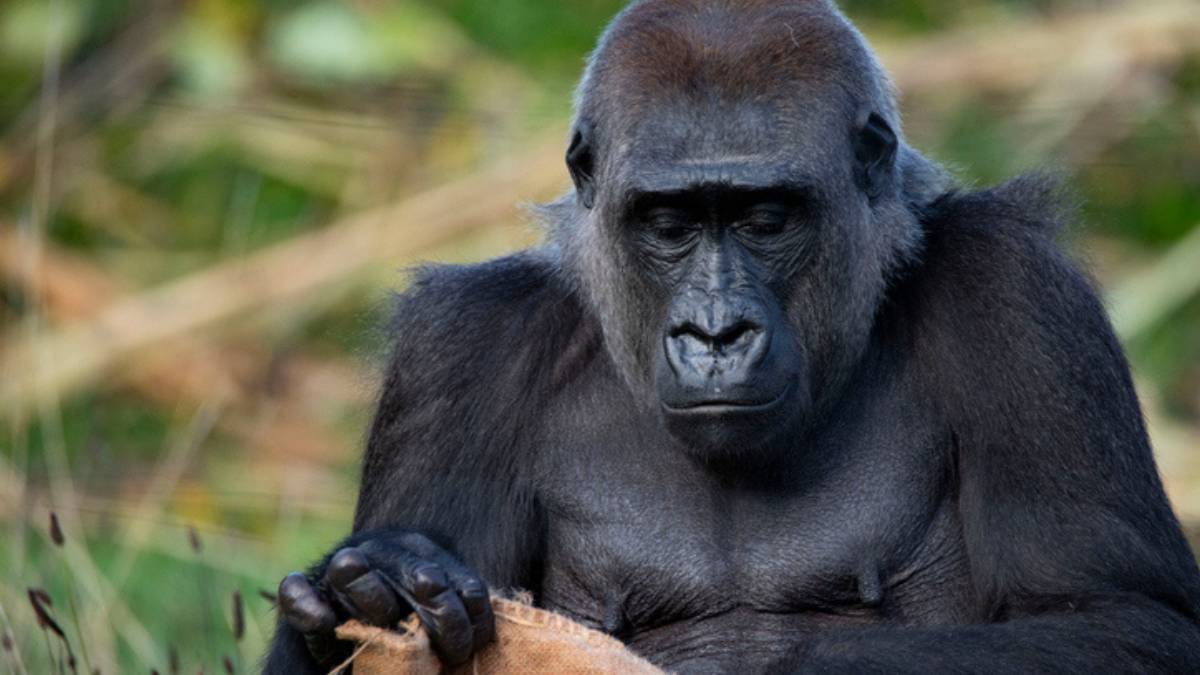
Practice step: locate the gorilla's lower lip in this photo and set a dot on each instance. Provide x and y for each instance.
(720, 406)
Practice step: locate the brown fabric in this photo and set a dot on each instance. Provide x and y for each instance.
(528, 640)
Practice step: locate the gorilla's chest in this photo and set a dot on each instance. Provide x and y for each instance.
(650, 546)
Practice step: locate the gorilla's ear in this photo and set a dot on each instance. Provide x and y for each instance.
(875, 152)
(581, 161)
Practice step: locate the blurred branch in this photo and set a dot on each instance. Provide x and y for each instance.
(289, 150)
(1092, 71)
(111, 205)
(1141, 302)
(290, 272)
(73, 290)
(1017, 55)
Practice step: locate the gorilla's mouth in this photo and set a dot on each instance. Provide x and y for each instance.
(721, 406)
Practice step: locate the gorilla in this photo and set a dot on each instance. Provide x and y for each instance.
(775, 394)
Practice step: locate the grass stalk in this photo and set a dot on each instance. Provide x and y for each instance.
(239, 627)
(12, 650)
(208, 646)
(57, 537)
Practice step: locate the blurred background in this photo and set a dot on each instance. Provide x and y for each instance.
(204, 206)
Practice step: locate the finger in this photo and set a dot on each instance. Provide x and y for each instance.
(347, 565)
(425, 586)
(477, 601)
(442, 613)
(362, 591)
(475, 597)
(305, 610)
(373, 600)
(303, 607)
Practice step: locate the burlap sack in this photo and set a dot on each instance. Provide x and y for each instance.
(528, 640)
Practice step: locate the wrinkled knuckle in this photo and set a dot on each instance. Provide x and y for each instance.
(347, 565)
(473, 589)
(348, 556)
(416, 542)
(291, 588)
(428, 582)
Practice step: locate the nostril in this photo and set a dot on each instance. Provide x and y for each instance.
(729, 336)
(736, 333)
(691, 331)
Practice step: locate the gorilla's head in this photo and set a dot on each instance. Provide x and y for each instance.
(741, 197)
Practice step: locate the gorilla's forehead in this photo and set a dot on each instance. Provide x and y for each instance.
(733, 172)
(733, 141)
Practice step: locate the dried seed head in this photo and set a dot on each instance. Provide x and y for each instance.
(56, 533)
(228, 663)
(7, 641)
(42, 596)
(267, 595)
(194, 539)
(40, 601)
(239, 617)
(172, 660)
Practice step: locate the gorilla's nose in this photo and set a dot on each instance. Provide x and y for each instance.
(720, 340)
(712, 355)
(717, 354)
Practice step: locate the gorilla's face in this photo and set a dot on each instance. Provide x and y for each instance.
(727, 362)
(736, 277)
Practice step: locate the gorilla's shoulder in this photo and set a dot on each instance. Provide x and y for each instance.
(485, 316)
(471, 292)
(994, 275)
(1000, 240)
(1034, 205)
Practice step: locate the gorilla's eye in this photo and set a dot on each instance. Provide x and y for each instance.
(669, 226)
(765, 221)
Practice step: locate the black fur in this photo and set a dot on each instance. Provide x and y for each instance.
(968, 486)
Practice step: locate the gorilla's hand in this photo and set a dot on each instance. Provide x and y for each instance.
(380, 581)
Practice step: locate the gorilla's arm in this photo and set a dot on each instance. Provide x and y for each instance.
(446, 476)
(445, 455)
(1078, 564)
(1119, 633)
